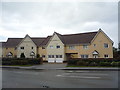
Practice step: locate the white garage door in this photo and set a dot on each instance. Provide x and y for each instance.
(55, 59)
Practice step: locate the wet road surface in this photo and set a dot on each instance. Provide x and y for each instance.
(17, 78)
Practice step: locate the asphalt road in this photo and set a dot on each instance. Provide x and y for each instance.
(17, 78)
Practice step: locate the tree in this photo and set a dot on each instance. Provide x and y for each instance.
(119, 46)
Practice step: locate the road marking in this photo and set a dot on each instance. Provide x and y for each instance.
(78, 77)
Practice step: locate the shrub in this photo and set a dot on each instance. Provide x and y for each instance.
(82, 63)
(21, 61)
(95, 62)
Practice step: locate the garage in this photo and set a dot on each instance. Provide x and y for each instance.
(55, 59)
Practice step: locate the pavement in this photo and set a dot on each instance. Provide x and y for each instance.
(55, 66)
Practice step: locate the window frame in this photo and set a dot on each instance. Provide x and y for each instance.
(72, 47)
(84, 56)
(106, 55)
(58, 46)
(22, 48)
(85, 46)
(105, 45)
(51, 47)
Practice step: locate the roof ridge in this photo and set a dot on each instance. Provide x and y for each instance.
(79, 33)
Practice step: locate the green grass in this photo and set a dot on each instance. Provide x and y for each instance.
(88, 66)
(17, 65)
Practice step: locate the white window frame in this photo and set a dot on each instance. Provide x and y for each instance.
(22, 48)
(106, 55)
(72, 47)
(94, 45)
(85, 46)
(107, 45)
(57, 46)
(51, 47)
(84, 56)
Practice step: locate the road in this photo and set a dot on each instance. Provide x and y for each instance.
(18, 78)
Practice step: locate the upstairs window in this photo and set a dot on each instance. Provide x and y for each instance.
(105, 45)
(71, 47)
(15, 48)
(51, 47)
(94, 45)
(21, 47)
(85, 46)
(58, 46)
(43, 47)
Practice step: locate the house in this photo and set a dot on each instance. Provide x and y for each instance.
(57, 47)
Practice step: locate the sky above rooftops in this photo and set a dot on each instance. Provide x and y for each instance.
(40, 19)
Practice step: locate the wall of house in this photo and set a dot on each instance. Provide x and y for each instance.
(8, 50)
(99, 41)
(1, 50)
(42, 52)
(27, 43)
(54, 51)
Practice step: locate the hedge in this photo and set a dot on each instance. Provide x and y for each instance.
(21, 61)
(114, 62)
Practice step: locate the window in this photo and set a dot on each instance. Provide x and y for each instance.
(51, 47)
(50, 56)
(58, 56)
(43, 47)
(106, 55)
(105, 45)
(57, 46)
(43, 56)
(22, 47)
(31, 47)
(84, 56)
(71, 47)
(94, 45)
(15, 48)
(85, 46)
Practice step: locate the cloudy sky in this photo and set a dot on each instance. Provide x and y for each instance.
(40, 19)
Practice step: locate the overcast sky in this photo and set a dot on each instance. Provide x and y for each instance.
(40, 19)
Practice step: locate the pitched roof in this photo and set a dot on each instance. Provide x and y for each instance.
(80, 38)
(13, 42)
(38, 41)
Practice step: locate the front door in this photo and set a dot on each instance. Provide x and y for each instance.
(95, 56)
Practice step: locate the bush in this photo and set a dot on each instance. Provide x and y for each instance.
(115, 62)
(82, 63)
(21, 61)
